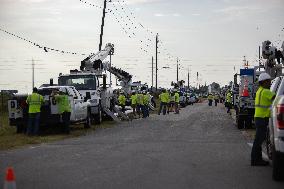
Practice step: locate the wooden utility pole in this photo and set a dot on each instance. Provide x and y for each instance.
(102, 26)
(33, 73)
(157, 41)
(188, 79)
(152, 71)
(177, 69)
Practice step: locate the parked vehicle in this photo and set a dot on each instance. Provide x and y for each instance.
(80, 108)
(275, 134)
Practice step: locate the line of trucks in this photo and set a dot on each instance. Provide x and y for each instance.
(244, 93)
(90, 97)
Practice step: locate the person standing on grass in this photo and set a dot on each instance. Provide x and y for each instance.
(34, 101)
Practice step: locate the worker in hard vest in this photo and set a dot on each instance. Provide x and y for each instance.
(122, 101)
(228, 102)
(263, 100)
(172, 101)
(140, 104)
(176, 95)
(146, 101)
(134, 102)
(164, 99)
(34, 101)
(210, 99)
(216, 99)
(64, 108)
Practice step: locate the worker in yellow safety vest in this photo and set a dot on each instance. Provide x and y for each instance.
(140, 104)
(164, 98)
(176, 102)
(216, 99)
(134, 102)
(64, 108)
(146, 101)
(228, 102)
(35, 101)
(263, 100)
(210, 99)
(172, 101)
(122, 101)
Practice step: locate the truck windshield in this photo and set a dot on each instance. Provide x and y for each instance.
(80, 82)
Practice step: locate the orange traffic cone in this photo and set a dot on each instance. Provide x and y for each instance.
(10, 181)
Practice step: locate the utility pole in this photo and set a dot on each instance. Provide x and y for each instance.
(152, 71)
(33, 73)
(157, 41)
(177, 69)
(259, 64)
(102, 26)
(110, 82)
(188, 79)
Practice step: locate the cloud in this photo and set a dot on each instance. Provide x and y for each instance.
(176, 14)
(159, 15)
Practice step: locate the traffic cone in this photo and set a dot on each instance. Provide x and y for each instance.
(10, 181)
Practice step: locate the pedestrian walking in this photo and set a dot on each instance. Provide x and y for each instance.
(263, 100)
(146, 99)
(64, 108)
(140, 104)
(34, 101)
(216, 99)
(228, 102)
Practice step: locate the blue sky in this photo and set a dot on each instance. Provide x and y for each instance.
(208, 36)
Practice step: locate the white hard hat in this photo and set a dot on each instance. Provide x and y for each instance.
(264, 76)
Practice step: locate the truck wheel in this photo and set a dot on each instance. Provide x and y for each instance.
(88, 123)
(248, 123)
(20, 128)
(98, 117)
(277, 165)
(240, 122)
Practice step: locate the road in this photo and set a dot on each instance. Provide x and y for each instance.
(199, 148)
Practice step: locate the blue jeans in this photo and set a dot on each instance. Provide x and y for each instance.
(33, 124)
(261, 130)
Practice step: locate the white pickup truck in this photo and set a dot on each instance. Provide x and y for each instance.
(275, 138)
(80, 108)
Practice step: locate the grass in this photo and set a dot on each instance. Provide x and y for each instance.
(9, 139)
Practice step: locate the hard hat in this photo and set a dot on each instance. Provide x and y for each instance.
(264, 76)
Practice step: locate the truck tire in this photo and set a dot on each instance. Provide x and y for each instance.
(277, 165)
(240, 122)
(248, 122)
(20, 128)
(98, 117)
(88, 123)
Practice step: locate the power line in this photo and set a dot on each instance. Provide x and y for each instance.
(45, 48)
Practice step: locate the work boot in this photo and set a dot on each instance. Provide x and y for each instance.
(259, 163)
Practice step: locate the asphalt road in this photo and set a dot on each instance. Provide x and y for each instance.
(199, 148)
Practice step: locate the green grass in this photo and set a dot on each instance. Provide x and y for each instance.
(9, 139)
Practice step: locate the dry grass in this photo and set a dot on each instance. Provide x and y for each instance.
(9, 139)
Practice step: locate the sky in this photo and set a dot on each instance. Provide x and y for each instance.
(210, 37)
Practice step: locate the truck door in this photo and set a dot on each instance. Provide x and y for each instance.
(83, 105)
(76, 110)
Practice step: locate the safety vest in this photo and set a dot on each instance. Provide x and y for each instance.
(63, 103)
(263, 101)
(210, 97)
(177, 97)
(229, 97)
(133, 99)
(172, 98)
(34, 101)
(146, 99)
(216, 97)
(140, 99)
(165, 97)
(121, 100)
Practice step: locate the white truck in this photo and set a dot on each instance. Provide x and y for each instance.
(87, 82)
(275, 134)
(80, 112)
